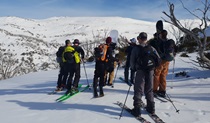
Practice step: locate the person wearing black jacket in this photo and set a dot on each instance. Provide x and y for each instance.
(127, 64)
(61, 83)
(111, 65)
(144, 77)
(76, 67)
(100, 68)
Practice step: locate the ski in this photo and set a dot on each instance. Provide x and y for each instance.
(160, 99)
(65, 97)
(55, 92)
(169, 100)
(154, 117)
(139, 118)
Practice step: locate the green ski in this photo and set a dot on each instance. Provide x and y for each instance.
(65, 97)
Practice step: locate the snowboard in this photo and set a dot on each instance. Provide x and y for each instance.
(114, 35)
(159, 26)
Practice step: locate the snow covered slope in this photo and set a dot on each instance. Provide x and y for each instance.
(24, 99)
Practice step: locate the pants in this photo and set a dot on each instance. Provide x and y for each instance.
(143, 85)
(110, 75)
(126, 72)
(76, 75)
(61, 79)
(72, 70)
(160, 76)
(99, 74)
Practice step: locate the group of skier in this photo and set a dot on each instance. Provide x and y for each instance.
(147, 61)
(69, 58)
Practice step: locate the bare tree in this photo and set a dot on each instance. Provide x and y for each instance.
(8, 67)
(202, 43)
(98, 38)
(176, 33)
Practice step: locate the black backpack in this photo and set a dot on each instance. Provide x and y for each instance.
(59, 54)
(148, 58)
(98, 52)
(169, 47)
(69, 57)
(60, 51)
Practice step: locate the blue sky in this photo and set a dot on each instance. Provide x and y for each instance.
(149, 10)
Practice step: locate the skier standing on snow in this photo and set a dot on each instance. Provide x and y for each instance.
(61, 83)
(110, 66)
(141, 63)
(166, 49)
(101, 65)
(128, 50)
(76, 67)
(70, 58)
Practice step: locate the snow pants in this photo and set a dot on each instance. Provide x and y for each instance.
(160, 77)
(144, 85)
(110, 75)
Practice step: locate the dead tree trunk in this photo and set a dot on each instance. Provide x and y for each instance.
(203, 26)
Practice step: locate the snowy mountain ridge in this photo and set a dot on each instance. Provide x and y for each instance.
(36, 41)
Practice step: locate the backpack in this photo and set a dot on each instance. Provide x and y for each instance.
(100, 52)
(60, 51)
(59, 54)
(69, 55)
(148, 58)
(169, 47)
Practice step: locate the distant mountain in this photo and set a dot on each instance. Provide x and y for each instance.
(39, 39)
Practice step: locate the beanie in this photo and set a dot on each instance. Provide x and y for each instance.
(142, 35)
(108, 40)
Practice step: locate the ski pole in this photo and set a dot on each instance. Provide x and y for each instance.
(115, 76)
(86, 75)
(172, 103)
(125, 101)
(172, 74)
(170, 100)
